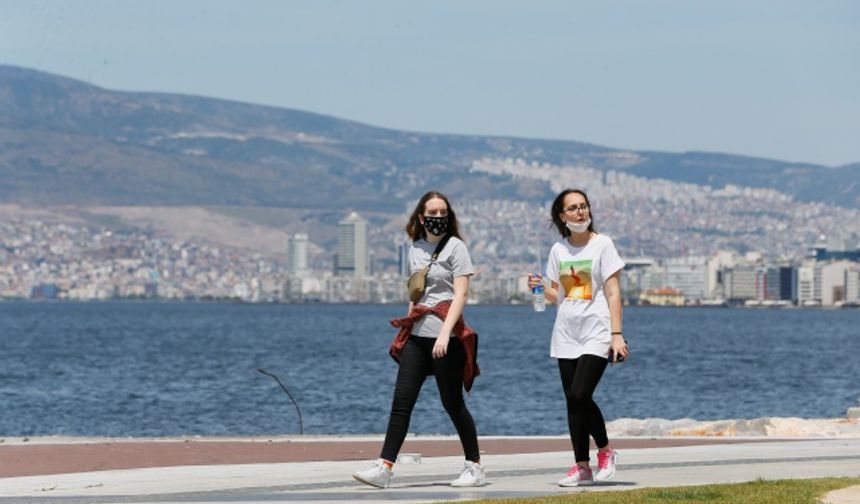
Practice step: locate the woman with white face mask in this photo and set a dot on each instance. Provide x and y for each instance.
(433, 339)
(583, 270)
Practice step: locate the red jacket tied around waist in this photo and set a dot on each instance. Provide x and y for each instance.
(467, 336)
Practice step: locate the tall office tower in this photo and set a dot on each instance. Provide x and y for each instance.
(403, 259)
(352, 257)
(297, 254)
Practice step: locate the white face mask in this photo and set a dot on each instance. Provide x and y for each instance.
(578, 227)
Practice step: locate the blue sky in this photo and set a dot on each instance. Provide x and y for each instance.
(776, 79)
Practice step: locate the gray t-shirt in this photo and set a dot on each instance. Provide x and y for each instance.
(453, 261)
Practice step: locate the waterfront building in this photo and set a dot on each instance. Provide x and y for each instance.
(352, 257)
(688, 275)
(852, 284)
(403, 259)
(665, 296)
(835, 248)
(833, 282)
(740, 283)
(716, 265)
(637, 276)
(297, 254)
(809, 284)
(349, 289)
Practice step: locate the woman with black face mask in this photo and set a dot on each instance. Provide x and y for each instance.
(434, 340)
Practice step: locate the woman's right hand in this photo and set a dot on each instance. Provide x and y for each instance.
(534, 280)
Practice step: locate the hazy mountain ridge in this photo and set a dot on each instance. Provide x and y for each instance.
(66, 142)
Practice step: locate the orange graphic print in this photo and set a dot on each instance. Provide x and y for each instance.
(575, 277)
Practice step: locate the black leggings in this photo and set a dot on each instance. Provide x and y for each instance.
(579, 377)
(416, 362)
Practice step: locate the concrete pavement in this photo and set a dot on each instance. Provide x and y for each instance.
(509, 475)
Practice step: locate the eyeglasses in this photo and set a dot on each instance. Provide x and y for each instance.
(573, 208)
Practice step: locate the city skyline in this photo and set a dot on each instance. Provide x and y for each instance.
(86, 264)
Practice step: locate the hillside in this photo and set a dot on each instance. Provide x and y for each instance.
(65, 142)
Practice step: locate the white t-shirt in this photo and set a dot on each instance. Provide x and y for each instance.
(453, 261)
(582, 321)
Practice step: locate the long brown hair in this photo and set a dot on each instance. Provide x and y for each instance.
(416, 230)
(558, 209)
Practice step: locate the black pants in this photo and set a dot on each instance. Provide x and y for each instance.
(416, 362)
(579, 377)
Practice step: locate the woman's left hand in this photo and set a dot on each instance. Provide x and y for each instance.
(441, 346)
(619, 346)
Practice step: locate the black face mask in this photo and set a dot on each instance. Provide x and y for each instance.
(436, 225)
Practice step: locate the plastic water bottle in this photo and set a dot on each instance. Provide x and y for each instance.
(538, 302)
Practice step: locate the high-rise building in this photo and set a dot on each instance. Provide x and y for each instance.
(809, 283)
(718, 264)
(742, 282)
(297, 254)
(782, 282)
(403, 259)
(852, 284)
(352, 257)
(833, 282)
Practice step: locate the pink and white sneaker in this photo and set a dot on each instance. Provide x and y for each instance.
(577, 476)
(606, 464)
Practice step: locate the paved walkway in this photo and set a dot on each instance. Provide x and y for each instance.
(527, 467)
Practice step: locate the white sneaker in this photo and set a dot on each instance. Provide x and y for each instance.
(471, 476)
(577, 476)
(378, 475)
(606, 465)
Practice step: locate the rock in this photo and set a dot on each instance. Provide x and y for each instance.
(765, 426)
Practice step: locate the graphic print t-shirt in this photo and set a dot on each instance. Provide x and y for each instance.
(453, 261)
(582, 321)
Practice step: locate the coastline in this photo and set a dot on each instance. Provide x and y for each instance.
(773, 427)
(767, 427)
(710, 304)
